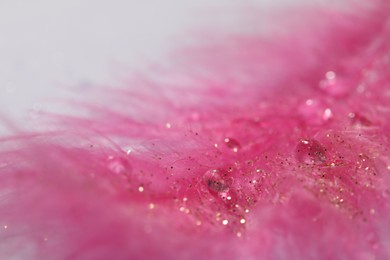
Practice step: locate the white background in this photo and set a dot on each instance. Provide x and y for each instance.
(50, 46)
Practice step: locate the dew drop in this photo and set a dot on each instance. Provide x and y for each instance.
(328, 114)
(334, 85)
(314, 111)
(310, 151)
(216, 181)
(232, 144)
(358, 120)
(118, 165)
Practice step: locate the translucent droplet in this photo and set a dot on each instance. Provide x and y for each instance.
(310, 151)
(335, 85)
(232, 144)
(314, 111)
(328, 114)
(358, 120)
(217, 181)
(118, 165)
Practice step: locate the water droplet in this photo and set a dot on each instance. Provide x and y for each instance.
(358, 120)
(314, 111)
(216, 181)
(232, 144)
(118, 165)
(335, 85)
(310, 151)
(327, 114)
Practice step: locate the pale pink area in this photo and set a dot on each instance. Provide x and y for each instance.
(259, 149)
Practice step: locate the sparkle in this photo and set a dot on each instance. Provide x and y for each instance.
(198, 222)
(182, 209)
(242, 221)
(229, 198)
(247, 211)
(185, 199)
(372, 211)
(225, 222)
(168, 125)
(5, 226)
(235, 149)
(151, 206)
(239, 234)
(216, 145)
(141, 189)
(388, 167)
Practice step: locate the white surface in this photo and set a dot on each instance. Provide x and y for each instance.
(49, 46)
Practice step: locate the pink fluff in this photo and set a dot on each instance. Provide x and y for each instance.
(250, 149)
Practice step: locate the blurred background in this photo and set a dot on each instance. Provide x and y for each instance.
(53, 48)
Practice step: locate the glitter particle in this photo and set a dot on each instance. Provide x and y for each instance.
(225, 222)
(242, 221)
(151, 206)
(141, 189)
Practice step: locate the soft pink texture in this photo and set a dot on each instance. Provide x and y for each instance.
(289, 134)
